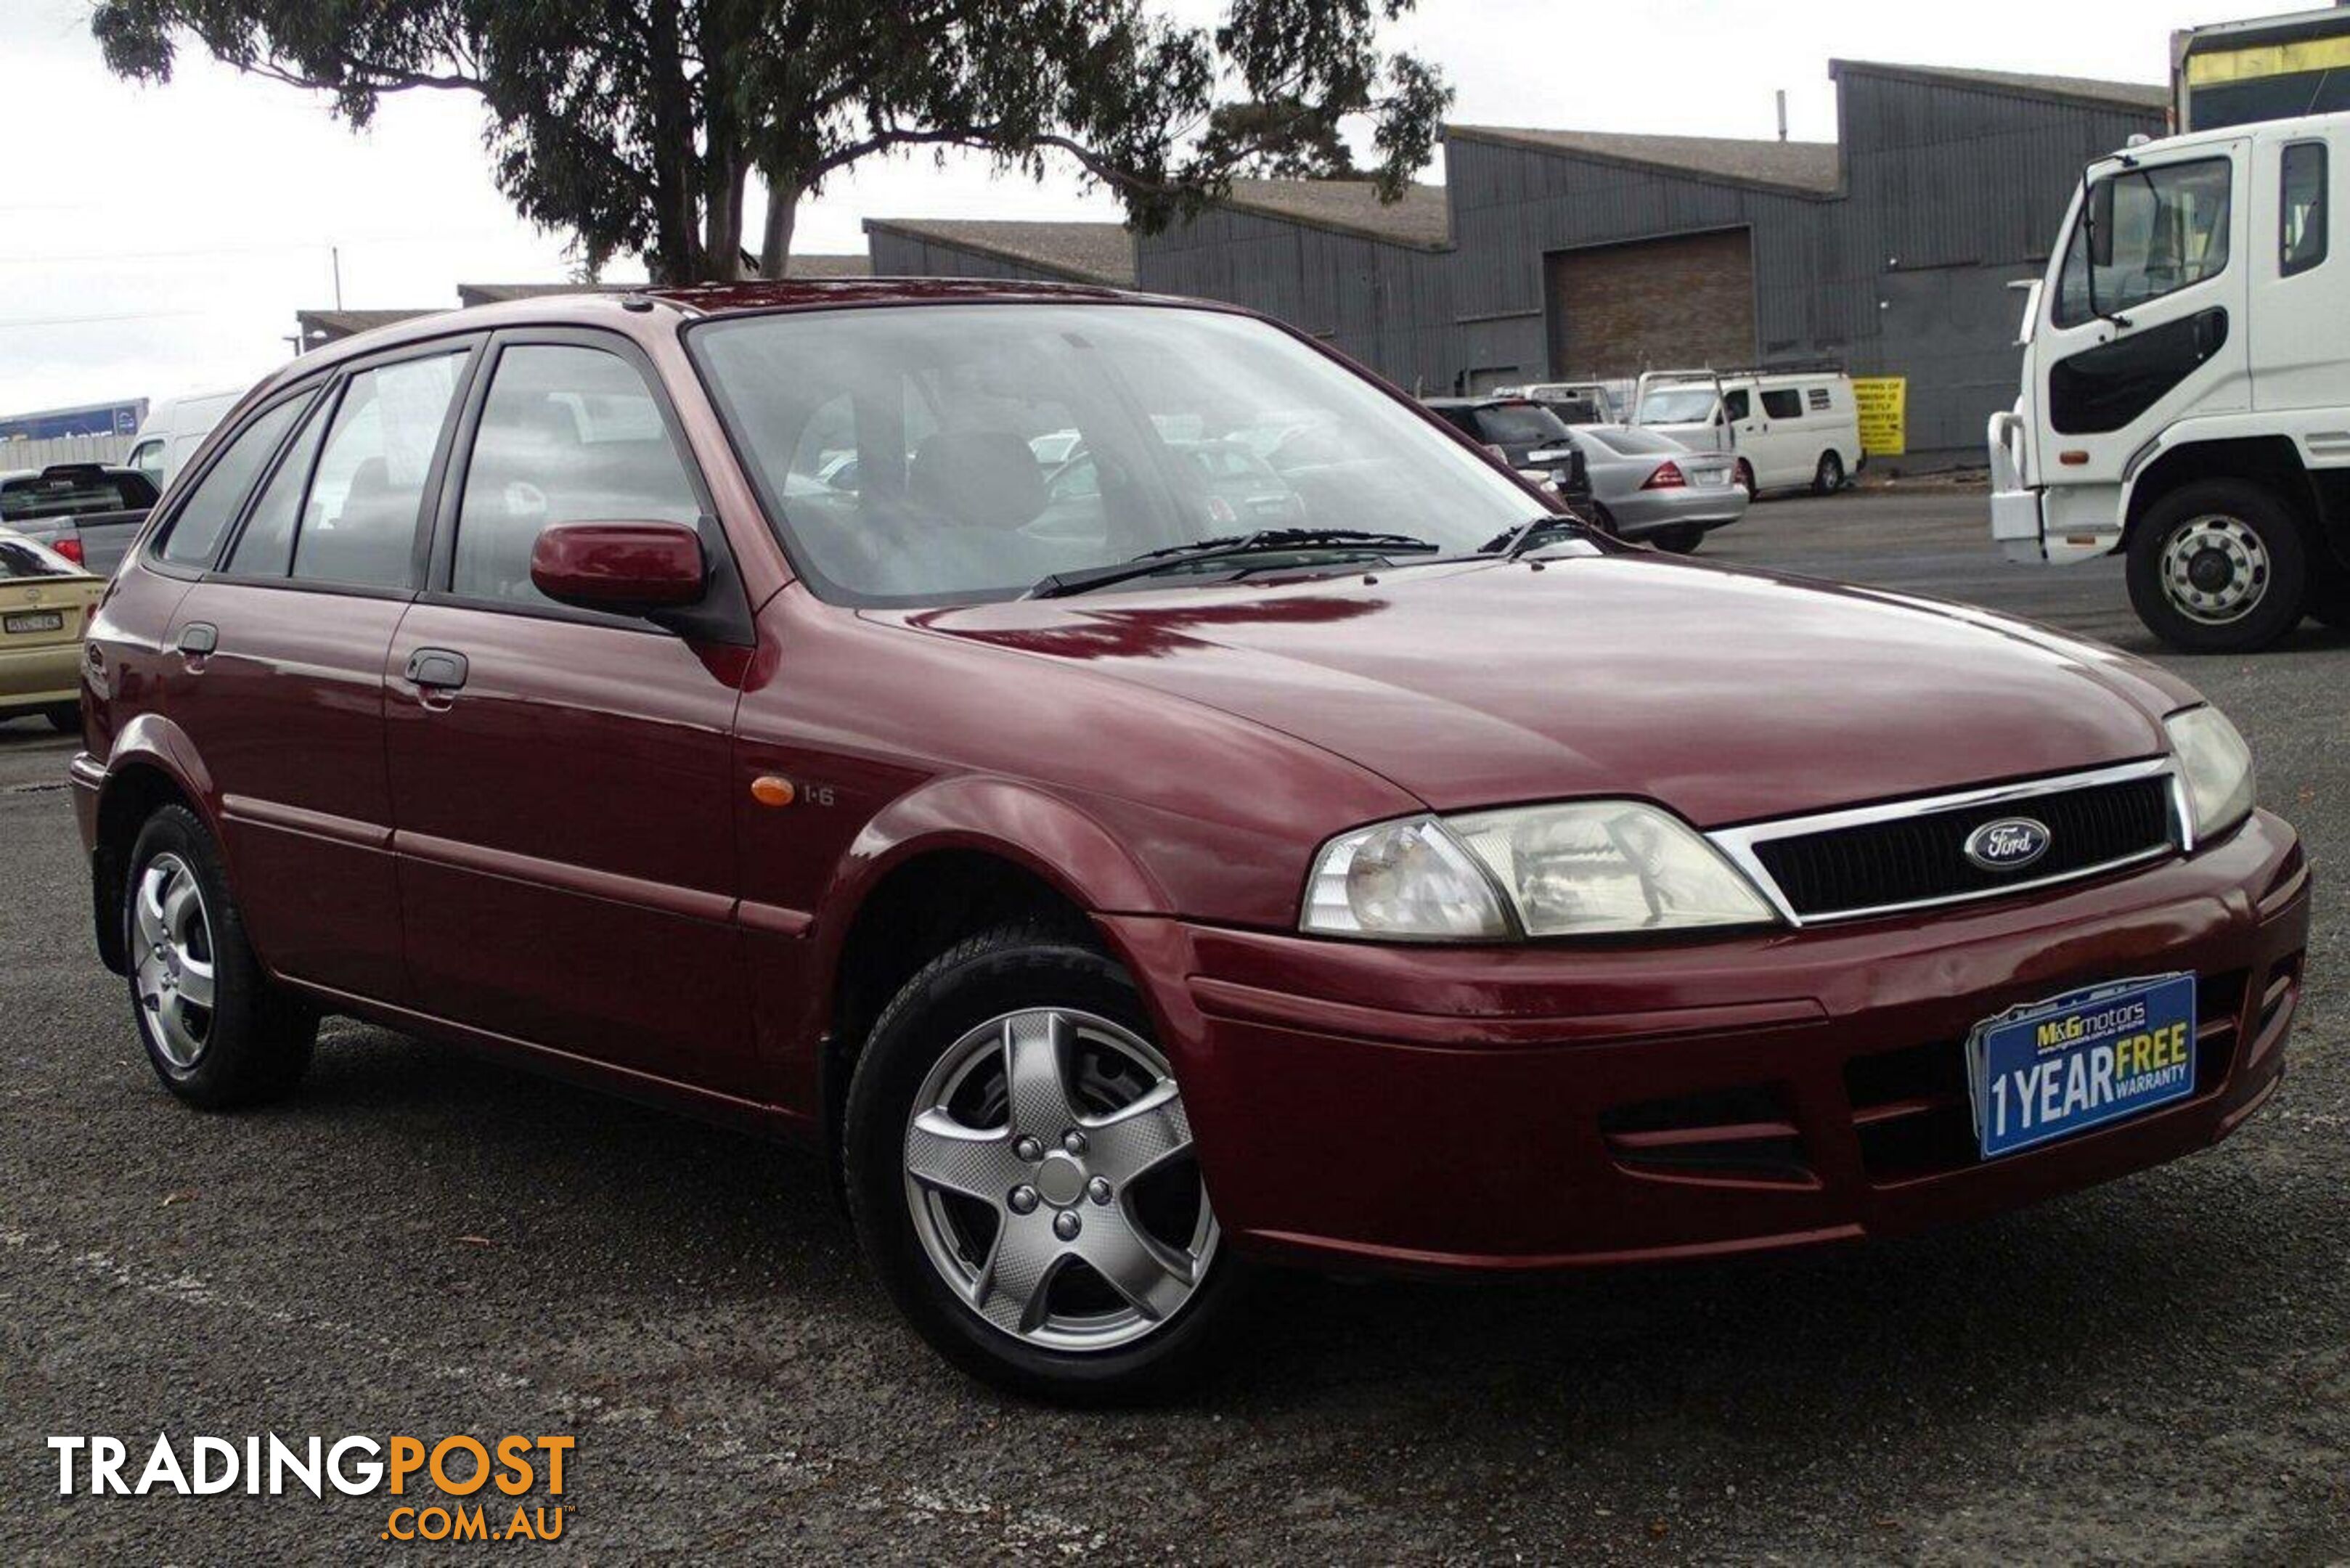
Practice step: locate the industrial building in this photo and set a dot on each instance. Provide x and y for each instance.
(1551, 254)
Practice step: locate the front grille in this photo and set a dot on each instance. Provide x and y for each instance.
(1921, 859)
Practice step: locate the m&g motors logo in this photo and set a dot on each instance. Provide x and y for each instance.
(464, 1489)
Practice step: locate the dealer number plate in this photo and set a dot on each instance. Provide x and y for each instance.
(2074, 1062)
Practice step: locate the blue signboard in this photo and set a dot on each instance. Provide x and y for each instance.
(89, 420)
(2080, 1061)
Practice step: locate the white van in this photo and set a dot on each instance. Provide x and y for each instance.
(1785, 427)
(174, 429)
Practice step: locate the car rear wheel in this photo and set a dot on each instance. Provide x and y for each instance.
(65, 718)
(1019, 1164)
(2219, 566)
(218, 1033)
(1829, 477)
(1681, 540)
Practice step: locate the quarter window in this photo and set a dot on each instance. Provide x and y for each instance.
(569, 435)
(2145, 234)
(266, 547)
(359, 526)
(2305, 207)
(196, 531)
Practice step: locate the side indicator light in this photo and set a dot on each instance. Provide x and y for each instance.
(769, 790)
(2072, 459)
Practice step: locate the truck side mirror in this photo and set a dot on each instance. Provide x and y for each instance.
(2100, 224)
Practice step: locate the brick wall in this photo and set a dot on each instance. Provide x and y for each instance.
(1617, 310)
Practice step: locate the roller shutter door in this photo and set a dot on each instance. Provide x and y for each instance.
(1617, 310)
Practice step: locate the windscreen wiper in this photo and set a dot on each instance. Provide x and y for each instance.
(1233, 547)
(1527, 534)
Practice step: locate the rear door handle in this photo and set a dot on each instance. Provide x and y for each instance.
(198, 638)
(436, 670)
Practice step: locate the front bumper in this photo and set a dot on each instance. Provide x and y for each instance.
(1498, 1108)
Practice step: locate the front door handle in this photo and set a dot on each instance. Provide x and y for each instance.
(198, 638)
(436, 670)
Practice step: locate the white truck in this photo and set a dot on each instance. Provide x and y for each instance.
(2185, 398)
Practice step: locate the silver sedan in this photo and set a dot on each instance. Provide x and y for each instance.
(1650, 488)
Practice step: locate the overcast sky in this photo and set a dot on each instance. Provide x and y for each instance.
(159, 240)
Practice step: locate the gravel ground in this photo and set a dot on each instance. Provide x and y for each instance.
(2157, 1370)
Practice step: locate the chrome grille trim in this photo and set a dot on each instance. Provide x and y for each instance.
(1739, 843)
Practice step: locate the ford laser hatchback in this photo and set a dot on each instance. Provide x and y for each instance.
(1119, 886)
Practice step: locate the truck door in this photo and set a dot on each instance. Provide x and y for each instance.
(2144, 317)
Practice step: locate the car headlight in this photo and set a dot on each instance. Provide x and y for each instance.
(2217, 767)
(1582, 869)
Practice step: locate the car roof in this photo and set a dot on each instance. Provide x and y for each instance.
(628, 310)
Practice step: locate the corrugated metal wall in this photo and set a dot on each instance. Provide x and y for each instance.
(1950, 191)
(903, 255)
(64, 449)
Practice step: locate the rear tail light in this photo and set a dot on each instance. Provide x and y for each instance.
(1668, 476)
(70, 549)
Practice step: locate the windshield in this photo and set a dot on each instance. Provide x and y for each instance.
(1167, 426)
(1678, 406)
(1520, 424)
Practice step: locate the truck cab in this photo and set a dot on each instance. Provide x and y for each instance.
(2186, 385)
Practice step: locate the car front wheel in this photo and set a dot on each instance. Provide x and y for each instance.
(218, 1033)
(2219, 566)
(1020, 1167)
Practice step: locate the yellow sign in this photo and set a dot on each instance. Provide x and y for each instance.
(2261, 61)
(1884, 406)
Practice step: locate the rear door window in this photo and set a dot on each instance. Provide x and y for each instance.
(359, 525)
(197, 527)
(266, 547)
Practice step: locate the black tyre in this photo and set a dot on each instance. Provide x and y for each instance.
(1018, 1164)
(1746, 481)
(1681, 540)
(2329, 592)
(65, 718)
(1828, 478)
(217, 1031)
(2219, 566)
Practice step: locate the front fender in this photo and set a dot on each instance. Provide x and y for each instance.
(1044, 834)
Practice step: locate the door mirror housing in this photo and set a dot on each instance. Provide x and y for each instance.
(621, 568)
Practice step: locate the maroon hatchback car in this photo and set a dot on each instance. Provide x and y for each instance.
(745, 697)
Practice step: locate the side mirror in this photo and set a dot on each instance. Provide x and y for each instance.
(621, 568)
(2100, 224)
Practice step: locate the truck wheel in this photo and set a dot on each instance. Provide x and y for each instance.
(1829, 478)
(217, 1031)
(2219, 566)
(1021, 1173)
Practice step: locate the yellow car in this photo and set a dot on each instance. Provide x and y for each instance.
(45, 601)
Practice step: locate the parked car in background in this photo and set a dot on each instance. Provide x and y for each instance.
(45, 603)
(1437, 885)
(174, 429)
(1238, 489)
(1783, 429)
(87, 511)
(1529, 436)
(1575, 402)
(1650, 487)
